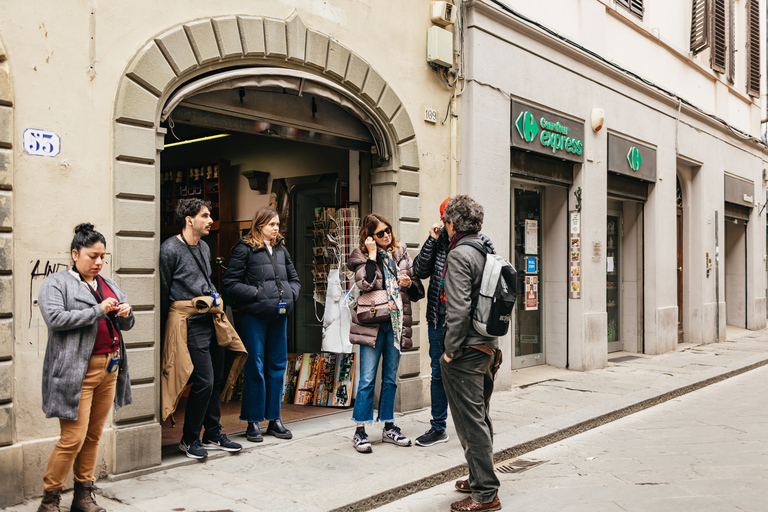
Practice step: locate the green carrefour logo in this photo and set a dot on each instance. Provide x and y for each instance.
(526, 126)
(634, 158)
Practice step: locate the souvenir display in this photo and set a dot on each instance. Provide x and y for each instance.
(322, 379)
(335, 233)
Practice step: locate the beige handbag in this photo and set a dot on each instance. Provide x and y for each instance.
(373, 307)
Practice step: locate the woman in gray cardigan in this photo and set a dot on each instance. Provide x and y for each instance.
(85, 370)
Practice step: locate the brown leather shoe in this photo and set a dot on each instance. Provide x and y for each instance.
(470, 505)
(84, 499)
(463, 485)
(50, 501)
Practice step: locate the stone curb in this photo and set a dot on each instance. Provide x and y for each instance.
(531, 437)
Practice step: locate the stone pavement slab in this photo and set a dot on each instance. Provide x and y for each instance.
(319, 470)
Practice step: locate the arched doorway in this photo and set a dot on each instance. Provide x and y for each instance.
(170, 65)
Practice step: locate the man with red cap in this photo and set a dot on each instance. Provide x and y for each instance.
(429, 263)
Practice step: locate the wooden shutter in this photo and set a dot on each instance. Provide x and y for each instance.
(634, 6)
(731, 41)
(700, 26)
(753, 48)
(719, 47)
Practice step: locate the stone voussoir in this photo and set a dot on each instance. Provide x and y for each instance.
(178, 50)
(151, 69)
(373, 87)
(228, 36)
(317, 49)
(296, 36)
(203, 41)
(402, 126)
(252, 35)
(409, 155)
(389, 103)
(357, 70)
(338, 57)
(135, 103)
(275, 38)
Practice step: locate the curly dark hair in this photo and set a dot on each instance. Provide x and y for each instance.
(465, 214)
(190, 207)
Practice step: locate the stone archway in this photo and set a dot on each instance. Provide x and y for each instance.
(11, 489)
(165, 63)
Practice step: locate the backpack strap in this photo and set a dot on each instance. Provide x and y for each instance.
(476, 245)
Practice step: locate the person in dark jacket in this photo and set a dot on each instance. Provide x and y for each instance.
(467, 362)
(85, 369)
(429, 263)
(263, 285)
(380, 263)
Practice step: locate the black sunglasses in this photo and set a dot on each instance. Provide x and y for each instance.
(380, 234)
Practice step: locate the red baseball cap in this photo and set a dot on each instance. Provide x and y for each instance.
(442, 207)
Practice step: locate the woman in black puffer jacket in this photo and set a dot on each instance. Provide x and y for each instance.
(263, 285)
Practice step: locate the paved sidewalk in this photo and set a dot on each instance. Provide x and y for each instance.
(706, 451)
(319, 470)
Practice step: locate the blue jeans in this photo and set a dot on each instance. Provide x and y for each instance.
(369, 364)
(266, 340)
(439, 400)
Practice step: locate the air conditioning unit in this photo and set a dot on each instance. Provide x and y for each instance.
(443, 13)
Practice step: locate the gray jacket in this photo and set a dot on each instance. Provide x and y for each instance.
(72, 316)
(462, 287)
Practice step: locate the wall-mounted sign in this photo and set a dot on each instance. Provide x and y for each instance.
(531, 265)
(537, 130)
(630, 158)
(574, 257)
(41, 142)
(430, 115)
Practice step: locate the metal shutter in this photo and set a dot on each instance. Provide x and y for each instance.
(753, 48)
(634, 6)
(700, 26)
(719, 46)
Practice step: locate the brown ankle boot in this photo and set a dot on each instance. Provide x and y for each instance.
(84, 499)
(50, 501)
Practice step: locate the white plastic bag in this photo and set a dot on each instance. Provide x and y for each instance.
(337, 319)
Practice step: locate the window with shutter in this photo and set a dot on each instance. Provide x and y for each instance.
(753, 47)
(634, 6)
(700, 26)
(731, 41)
(719, 46)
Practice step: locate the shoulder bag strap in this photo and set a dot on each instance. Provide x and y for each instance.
(273, 259)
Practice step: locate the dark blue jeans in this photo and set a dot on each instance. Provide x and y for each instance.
(369, 364)
(437, 392)
(266, 340)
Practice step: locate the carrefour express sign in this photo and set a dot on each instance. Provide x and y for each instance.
(540, 131)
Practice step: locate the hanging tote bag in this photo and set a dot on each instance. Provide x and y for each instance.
(373, 307)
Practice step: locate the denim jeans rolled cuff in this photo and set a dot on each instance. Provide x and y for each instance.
(439, 401)
(266, 340)
(369, 363)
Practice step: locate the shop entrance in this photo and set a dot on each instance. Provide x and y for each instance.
(735, 271)
(613, 279)
(527, 218)
(306, 164)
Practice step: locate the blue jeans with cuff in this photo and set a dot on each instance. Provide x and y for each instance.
(369, 363)
(266, 340)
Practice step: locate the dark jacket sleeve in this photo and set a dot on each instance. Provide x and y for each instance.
(166, 275)
(234, 279)
(293, 276)
(458, 301)
(424, 263)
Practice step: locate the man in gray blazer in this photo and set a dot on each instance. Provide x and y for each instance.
(468, 357)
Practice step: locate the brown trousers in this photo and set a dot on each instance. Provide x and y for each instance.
(78, 447)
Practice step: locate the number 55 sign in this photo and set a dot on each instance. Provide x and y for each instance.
(41, 142)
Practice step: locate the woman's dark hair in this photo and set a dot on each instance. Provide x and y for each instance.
(260, 219)
(86, 236)
(368, 228)
(465, 214)
(190, 208)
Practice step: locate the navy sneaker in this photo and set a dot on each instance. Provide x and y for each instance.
(432, 437)
(221, 442)
(194, 450)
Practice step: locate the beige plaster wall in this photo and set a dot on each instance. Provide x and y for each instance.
(68, 61)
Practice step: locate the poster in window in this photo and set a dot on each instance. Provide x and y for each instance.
(531, 236)
(531, 293)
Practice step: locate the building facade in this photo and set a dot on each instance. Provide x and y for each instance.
(639, 235)
(623, 142)
(324, 98)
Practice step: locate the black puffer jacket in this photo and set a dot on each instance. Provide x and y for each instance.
(250, 279)
(429, 263)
